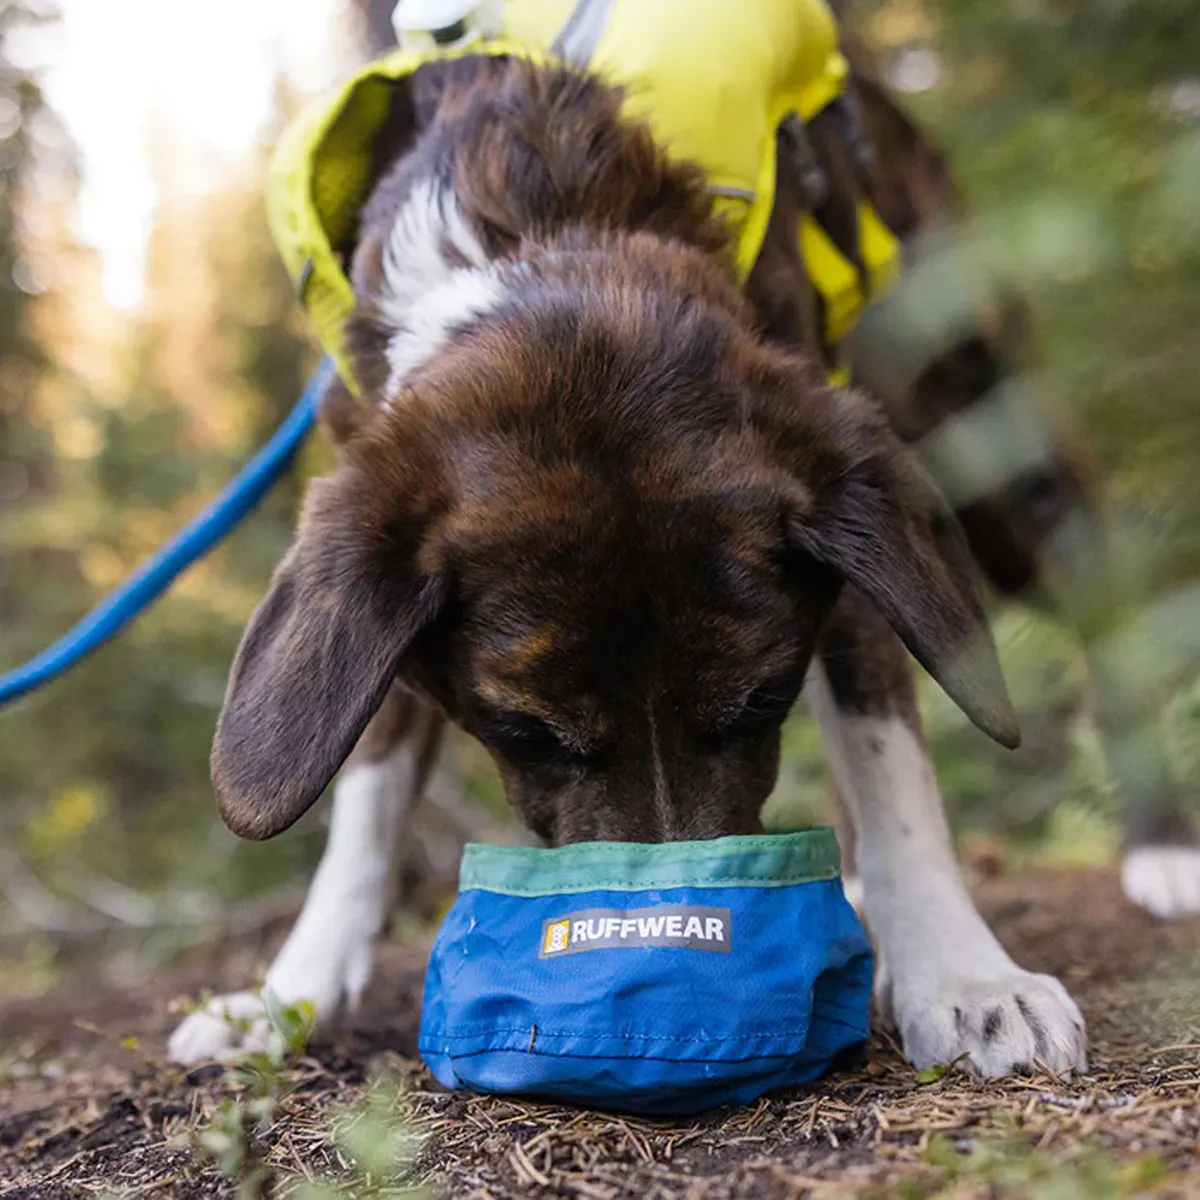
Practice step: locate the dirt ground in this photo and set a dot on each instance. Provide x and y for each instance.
(85, 1111)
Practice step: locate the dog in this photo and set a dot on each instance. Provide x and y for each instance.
(601, 508)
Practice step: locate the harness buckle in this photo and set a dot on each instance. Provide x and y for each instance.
(862, 149)
(439, 24)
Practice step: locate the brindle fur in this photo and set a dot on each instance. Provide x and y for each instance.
(628, 649)
(604, 530)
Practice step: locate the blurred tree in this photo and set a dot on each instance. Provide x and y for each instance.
(25, 450)
(38, 181)
(107, 769)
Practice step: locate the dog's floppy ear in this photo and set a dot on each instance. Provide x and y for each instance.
(318, 656)
(858, 502)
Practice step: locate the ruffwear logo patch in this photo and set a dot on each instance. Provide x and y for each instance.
(686, 926)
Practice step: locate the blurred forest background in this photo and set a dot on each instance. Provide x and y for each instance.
(1075, 131)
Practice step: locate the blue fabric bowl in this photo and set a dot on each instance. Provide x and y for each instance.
(653, 979)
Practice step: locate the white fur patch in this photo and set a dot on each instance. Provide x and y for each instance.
(948, 983)
(327, 958)
(464, 297)
(1164, 880)
(426, 293)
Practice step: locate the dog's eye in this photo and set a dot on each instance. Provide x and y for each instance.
(523, 738)
(767, 705)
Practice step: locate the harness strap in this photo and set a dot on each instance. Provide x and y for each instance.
(843, 289)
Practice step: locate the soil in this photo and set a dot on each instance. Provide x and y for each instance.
(88, 1108)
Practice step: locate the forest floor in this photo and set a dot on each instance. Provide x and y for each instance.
(88, 1108)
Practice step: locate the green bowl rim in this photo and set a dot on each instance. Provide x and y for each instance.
(757, 860)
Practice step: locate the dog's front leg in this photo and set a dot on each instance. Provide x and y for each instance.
(328, 955)
(944, 979)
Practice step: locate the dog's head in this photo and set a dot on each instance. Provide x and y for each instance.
(601, 529)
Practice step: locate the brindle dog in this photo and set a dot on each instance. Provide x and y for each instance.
(601, 509)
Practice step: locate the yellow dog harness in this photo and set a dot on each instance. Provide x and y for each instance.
(713, 79)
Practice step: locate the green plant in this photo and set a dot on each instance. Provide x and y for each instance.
(1011, 1166)
(373, 1135)
(228, 1141)
(376, 1138)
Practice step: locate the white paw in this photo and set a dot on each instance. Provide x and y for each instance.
(1005, 1025)
(225, 1025)
(1164, 880)
(326, 965)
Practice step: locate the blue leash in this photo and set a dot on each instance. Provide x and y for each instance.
(196, 539)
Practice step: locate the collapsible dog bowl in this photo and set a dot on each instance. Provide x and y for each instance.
(647, 978)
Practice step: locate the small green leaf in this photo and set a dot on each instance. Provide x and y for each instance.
(293, 1022)
(939, 1070)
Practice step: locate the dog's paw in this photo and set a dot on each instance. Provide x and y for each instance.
(1164, 880)
(313, 968)
(1005, 1025)
(222, 1026)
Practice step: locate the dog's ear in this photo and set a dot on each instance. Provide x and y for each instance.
(319, 654)
(857, 501)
